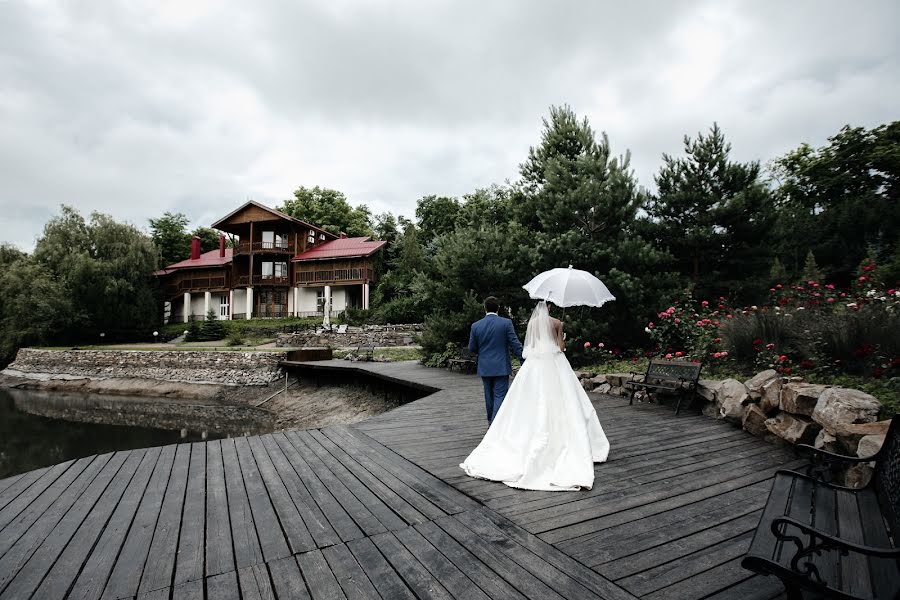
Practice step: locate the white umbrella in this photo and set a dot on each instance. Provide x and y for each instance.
(568, 287)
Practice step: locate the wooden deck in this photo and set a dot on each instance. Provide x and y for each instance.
(381, 510)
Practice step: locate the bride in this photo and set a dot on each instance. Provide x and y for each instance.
(546, 435)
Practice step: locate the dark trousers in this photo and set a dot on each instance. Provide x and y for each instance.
(495, 389)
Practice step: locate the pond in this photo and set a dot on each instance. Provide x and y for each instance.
(40, 428)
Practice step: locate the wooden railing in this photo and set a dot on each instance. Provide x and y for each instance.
(334, 275)
(263, 280)
(247, 247)
(195, 284)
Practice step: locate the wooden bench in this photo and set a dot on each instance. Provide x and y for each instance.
(831, 541)
(669, 375)
(366, 352)
(466, 363)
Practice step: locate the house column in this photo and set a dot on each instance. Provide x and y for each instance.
(207, 297)
(297, 301)
(187, 307)
(365, 296)
(327, 305)
(249, 302)
(230, 304)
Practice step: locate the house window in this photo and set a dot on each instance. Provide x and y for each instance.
(281, 241)
(224, 305)
(268, 269)
(321, 236)
(320, 300)
(281, 269)
(312, 238)
(268, 239)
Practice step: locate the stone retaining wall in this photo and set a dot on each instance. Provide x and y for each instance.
(784, 410)
(226, 368)
(378, 335)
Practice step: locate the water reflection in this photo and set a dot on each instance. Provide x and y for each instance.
(39, 428)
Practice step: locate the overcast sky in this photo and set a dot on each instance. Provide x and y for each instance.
(135, 108)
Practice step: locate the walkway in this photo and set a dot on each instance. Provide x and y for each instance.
(380, 510)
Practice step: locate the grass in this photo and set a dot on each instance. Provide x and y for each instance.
(887, 391)
(244, 327)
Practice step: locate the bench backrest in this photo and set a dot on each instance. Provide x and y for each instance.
(887, 476)
(466, 354)
(674, 370)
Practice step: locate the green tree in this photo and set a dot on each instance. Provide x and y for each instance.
(397, 299)
(778, 274)
(329, 209)
(713, 216)
(212, 328)
(811, 271)
(169, 233)
(436, 215)
(840, 199)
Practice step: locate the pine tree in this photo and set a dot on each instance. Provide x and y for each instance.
(212, 328)
(778, 274)
(811, 271)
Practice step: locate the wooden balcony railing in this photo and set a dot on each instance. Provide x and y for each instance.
(263, 280)
(335, 275)
(195, 284)
(275, 247)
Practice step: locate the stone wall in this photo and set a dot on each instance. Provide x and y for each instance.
(226, 368)
(378, 335)
(784, 410)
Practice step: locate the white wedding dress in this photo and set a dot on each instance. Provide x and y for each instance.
(546, 435)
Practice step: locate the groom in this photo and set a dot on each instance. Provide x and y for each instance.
(492, 338)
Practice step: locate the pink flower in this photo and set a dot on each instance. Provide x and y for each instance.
(650, 324)
(600, 344)
(724, 353)
(778, 286)
(716, 323)
(770, 346)
(830, 286)
(717, 355)
(704, 303)
(587, 344)
(668, 356)
(782, 358)
(771, 289)
(863, 278)
(831, 300)
(677, 320)
(715, 313)
(670, 310)
(679, 354)
(717, 340)
(699, 323)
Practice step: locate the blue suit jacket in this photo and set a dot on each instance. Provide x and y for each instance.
(492, 338)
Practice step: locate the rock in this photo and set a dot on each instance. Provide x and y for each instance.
(710, 409)
(858, 475)
(800, 398)
(584, 375)
(771, 396)
(603, 388)
(793, 429)
(826, 441)
(840, 406)
(641, 396)
(706, 389)
(755, 421)
(730, 397)
(869, 445)
(756, 383)
(588, 385)
(617, 379)
(849, 435)
(599, 380)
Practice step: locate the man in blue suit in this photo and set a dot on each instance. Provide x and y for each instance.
(492, 338)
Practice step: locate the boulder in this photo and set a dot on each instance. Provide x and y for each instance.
(826, 441)
(849, 435)
(730, 398)
(756, 383)
(771, 396)
(755, 421)
(584, 375)
(588, 385)
(793, 429)
(841, 406)
(800, 398)
(617, 379)
(858, 475)
(706, 389)
(710, 409)
(599, 380)
(603, 388)
(869, 445)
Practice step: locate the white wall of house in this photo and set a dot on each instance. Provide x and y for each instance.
(240, 301)
(338, 298)
(307, 299)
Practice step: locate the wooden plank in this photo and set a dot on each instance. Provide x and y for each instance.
(360, 514)
(486, 579)
(343, 525)
(444, 571)
(160, 594)
(255, 583)
(222, 587)
(704, 584)
(96, 570)
(163, 551)
(319, 578)
(21, 483)
(298, 536)
(70, 483)
(9, 512)
(417, 577)
(189, 563)
(854, 567)
(219, 553)
(287, 580)
(271, 538)
(349, 574)
(388, 583)
(758, 587)
(69, 544)
(189, 590)
(5, 483)
(313, 518)
(247, 550)
(89, 486)
(125, 578)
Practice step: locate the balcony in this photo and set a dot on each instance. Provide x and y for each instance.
(334, 276)
(195, 284)
(263, 280)
(273, 247)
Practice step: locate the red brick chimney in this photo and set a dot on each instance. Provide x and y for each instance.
(343, 235)
(195, 248)
(221, 245)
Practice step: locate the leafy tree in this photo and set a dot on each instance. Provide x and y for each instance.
(328, 209)
(170, 235)
(486, 207)
(436, 215)
(395, 299)
(840, 199)
(713, 215)
(10, 254)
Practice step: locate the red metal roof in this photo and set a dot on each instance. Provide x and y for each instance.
(341, 248)
(207, 259)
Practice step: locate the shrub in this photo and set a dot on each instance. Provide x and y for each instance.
(193, 330)
(235, 339)
(439, 359)
(356, 316)
(212, 328)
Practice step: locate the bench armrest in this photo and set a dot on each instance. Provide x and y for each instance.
(819, 541)
(821, 462)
